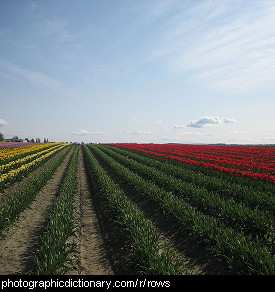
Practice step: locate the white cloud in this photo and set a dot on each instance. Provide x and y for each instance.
(204, 121)
(228, 120)
(3, 123)
(209, 122)
(179, 126)
(97, 133)
(138, 132)
(227, 44)
(237, 132)
(81, 133)
(190, 133)
(85, 132)
(37, 78)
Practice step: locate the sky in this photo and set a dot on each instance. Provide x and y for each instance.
(140, 71)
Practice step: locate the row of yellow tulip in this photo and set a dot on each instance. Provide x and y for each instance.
(18, 162)
(7, 154)
(12, 175)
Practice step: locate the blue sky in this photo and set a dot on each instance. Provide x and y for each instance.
(161, 71)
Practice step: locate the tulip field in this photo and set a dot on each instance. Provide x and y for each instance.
(17, 161)
(163, 209)
(254, 162)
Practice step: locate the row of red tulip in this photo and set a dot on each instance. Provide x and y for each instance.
(255, 162)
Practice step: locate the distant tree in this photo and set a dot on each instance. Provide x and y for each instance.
(1, 137)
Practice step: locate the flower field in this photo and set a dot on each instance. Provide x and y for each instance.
(16, 162)
(254, 162)
(164, 209)
(232, 215)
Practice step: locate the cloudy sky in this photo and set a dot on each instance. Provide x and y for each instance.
(161, 71)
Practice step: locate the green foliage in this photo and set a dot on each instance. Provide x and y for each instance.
(143, 236)
(237, 215)
(244, 253)
(54, 253)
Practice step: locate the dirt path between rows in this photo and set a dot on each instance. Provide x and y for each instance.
(92, 258)
(16, 250)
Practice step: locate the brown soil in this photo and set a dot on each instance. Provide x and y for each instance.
(92, 258)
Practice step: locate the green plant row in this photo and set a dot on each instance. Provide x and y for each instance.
(54, 251)
(263, 186)
(20, 200)
(240, 193)
(236, 215)
(243, 253)
(144, 238)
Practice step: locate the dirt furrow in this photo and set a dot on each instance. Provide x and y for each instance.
(92, 258)
(16, 250)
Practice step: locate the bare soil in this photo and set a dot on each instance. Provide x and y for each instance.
(92, 258)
